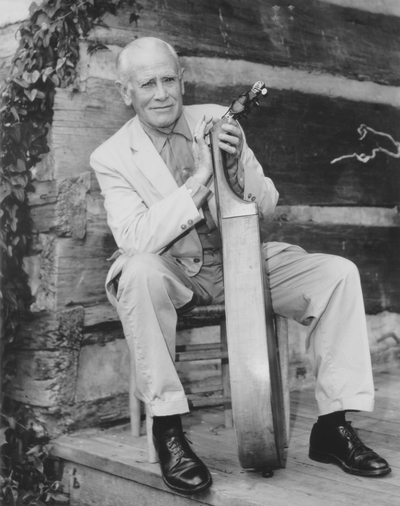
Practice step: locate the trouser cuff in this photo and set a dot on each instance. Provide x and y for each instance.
(360, 402)
(167, 408)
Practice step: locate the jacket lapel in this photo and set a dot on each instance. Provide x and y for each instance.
(149, 162)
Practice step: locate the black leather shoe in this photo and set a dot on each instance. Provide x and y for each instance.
(342, 446)
(181, 468)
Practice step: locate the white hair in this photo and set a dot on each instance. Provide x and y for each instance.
(126, 57)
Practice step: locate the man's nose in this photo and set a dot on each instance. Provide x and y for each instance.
(161, 91)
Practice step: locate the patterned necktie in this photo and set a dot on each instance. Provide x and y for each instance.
(178, 157)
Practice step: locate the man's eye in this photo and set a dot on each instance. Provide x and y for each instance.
(169, 79)
(148, 84)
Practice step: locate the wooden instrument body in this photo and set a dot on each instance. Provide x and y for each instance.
(256, 384)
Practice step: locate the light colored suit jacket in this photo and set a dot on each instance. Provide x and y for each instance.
(146, 210)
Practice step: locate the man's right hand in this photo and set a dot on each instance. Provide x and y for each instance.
(201, 151)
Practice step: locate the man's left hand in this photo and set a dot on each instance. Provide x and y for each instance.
(231, 141)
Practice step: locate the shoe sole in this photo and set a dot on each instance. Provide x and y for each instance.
(192, 491)
(327, 458)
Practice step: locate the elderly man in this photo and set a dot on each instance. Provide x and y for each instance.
(155, 174)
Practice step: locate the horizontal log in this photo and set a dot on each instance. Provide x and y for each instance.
(295, 136)
(81, 270)
(83, 121)
(112, 359)
(51, 331)
(71, 417)
(60, 206)
(314, 36)
(359, 216)
(72, 270)
(375, 251)
(201, 69)
(82, 264)
(388, 7)
(100, 313)
(44, 378)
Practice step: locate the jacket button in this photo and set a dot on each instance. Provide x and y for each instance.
(190, 222)
(183, 227)
(178, 260)
(196, 260)
(253, 199)
(249, 196)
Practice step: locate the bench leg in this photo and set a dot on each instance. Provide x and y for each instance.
(134, 402)
(151, 451)
(134, 411)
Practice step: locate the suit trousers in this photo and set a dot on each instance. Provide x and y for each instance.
(320, 291)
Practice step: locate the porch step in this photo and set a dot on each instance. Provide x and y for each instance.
(109, 467)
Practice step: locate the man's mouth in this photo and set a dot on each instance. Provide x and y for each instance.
(162, 107)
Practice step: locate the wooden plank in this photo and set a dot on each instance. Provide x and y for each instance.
(314, 36)
(200, 355)
(373, 249)
(90, 487)
(116, 454)
(249, 491)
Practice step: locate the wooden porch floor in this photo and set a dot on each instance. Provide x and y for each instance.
(107, 467)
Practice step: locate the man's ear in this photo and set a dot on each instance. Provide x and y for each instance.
(182, 81)
(124, 92)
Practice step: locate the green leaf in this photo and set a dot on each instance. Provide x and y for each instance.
(21, 167)
(46, 39)
(20, 194)
(31, 77)
(60, 62)
(15, 133)
(55, 79)
(38, 464)
(32, 8)
(20, 82)
(4, 192)
(3, 439)
(19, 180)
(35, 450)
(31, 94)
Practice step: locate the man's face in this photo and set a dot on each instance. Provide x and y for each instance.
(155, 89)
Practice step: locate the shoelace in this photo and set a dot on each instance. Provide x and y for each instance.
(353, 437)
(175, 446)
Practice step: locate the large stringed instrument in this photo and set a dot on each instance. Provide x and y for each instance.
(256, 384)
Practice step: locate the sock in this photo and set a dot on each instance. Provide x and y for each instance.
(166, 422)
(332, 420)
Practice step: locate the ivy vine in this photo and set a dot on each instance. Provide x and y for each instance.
(46, 58)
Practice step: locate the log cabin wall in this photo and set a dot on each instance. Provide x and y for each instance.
(330, 66)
